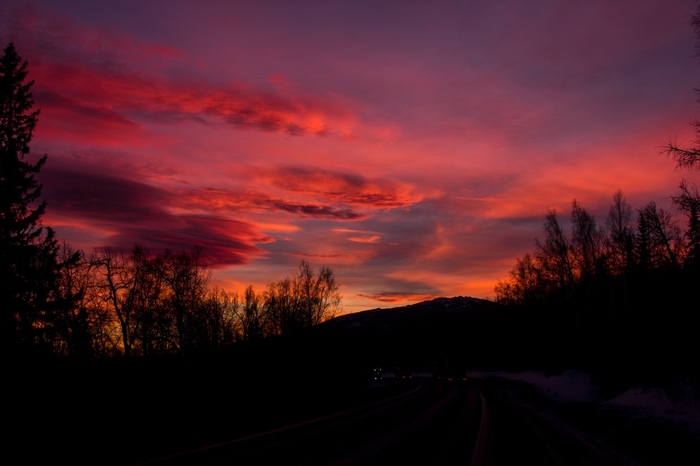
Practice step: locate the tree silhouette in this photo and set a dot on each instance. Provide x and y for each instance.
(662, 236)
(586, 242)
(688, 201)
(28, 251)
(554, 255)
(73, 326)
(117, 283)
(250, 315)
(302, 301)
(620, 243)
(620, 240)
(525, 286)
(688, 157)
(187, 276)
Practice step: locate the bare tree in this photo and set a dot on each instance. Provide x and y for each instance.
(187, 277)
(135, 288)
(688, 202)
(280, 307)
(304, 300)
(554, 254)
(586, 242)
(620, 244)
(620, 234)
(658, 238)
(525, 284)
(250, 315)
(688, 157)
(317, 296)
(115, 282)
(74, 330)
(224, 309)
(152, 322)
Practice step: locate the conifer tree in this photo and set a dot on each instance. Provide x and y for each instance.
(28, 251)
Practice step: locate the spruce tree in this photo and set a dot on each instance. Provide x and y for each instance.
(28, 251)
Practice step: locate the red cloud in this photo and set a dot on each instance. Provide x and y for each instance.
(222, 201)
(365, 239)
(342, 187)
(307, 192)
(104, 96)
(102, 78)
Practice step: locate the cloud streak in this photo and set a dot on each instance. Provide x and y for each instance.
(126, 98)
(103, 79)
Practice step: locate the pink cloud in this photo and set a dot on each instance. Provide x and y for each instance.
(232, 201)
(106, 81)
(365, 239)
(343, 186)
(305, 193)
(105, 97)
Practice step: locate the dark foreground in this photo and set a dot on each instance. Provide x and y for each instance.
(174, 418)
(308, 397)
(423, 422)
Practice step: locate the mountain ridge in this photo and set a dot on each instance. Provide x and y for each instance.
(435, 305)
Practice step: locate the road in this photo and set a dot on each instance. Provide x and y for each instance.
(433, 422)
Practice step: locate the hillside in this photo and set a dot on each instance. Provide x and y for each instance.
(452, 335)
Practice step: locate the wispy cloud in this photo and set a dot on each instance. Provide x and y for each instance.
(398, 298)
(343, 186)
(365, 239)
(103, 96)
(103, 78)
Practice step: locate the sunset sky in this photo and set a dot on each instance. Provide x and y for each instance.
(413, 147)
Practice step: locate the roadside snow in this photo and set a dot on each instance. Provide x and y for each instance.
(679, 403)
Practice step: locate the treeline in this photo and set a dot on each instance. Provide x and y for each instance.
(629, 281)
(637, 268)
(145, 304)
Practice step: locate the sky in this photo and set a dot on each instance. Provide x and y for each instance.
(413, 147)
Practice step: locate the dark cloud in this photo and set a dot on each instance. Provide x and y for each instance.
(219, 200)
(317, 211)
(137, 213)
(297, 177)
(401, 297)
(394, 290)
(104, 199)
(262, 119)
(223, 242)
(54, 101)
(375, 199)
